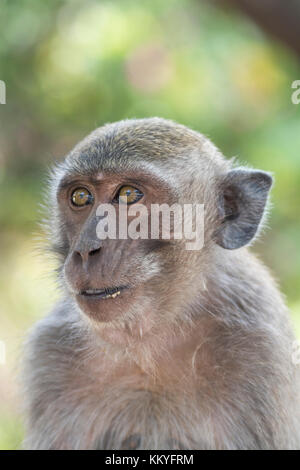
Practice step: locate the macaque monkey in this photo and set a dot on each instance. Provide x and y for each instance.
(153, 345)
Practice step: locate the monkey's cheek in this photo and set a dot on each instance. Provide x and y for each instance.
(105, 310)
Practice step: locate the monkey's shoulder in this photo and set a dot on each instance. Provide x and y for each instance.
(54, 340)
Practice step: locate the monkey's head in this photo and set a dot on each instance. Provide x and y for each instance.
(142, 163)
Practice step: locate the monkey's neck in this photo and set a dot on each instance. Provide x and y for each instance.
(152, 337)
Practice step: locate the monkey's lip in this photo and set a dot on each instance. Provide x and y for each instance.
(107, 293)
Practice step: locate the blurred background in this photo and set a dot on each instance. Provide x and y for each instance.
(224, 68)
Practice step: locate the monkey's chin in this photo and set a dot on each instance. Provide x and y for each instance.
(105, 308)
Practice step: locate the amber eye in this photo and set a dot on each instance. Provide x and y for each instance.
(81, 197)
(129, 195)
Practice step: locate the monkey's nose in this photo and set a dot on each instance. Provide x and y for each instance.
(83, 254)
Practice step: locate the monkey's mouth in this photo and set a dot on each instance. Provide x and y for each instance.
(107, 293)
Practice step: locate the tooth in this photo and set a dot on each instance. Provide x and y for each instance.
(118, 293)
(114, 295)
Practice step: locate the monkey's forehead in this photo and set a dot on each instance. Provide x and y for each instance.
(128, 144)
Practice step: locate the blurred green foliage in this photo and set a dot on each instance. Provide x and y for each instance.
(70, 66)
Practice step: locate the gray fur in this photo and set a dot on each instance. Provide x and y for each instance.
(203, 359)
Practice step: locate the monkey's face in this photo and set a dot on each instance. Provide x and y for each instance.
(109, 272)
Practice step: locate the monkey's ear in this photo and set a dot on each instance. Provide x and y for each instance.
(241, 206)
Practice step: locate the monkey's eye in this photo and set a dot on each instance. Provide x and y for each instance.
(129, 195)
(81, 197)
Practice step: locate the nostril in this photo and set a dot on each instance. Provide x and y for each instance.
(94, 252)
(83, 255)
